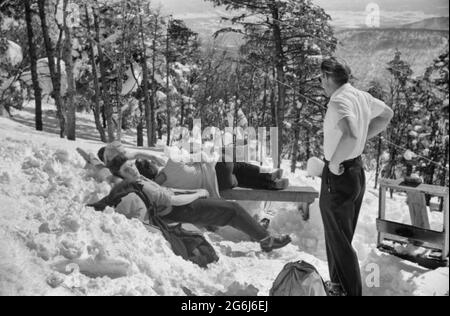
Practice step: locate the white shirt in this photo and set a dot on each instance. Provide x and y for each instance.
(193, 176)
(358, 105)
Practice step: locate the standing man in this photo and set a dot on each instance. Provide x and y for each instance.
(353, 117)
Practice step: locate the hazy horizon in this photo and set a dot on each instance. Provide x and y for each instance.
(204, 18)
(435, 7)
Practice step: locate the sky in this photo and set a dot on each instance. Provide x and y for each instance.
(436, 7)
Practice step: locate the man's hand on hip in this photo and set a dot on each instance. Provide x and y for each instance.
(337, 170)
(203, 194)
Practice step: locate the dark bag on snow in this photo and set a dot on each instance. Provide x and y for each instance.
(188, 245)
(299, 279)
(192, 246)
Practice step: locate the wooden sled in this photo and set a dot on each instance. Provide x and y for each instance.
(419, 233)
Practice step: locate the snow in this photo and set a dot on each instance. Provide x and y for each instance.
(134, 79)
(14, 54)
(13, 57)
(51, 244)
(45, 81)
(409, 155)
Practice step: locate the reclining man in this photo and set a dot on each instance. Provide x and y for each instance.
(209, 175)
(189, 207)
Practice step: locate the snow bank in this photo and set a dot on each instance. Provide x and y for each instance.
(43, 191)
(51, 244)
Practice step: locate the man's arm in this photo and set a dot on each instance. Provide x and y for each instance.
(186, 199)
(380, 123)
(346, 144)
(185, 192)
(156, 160)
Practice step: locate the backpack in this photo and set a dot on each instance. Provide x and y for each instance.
(192, 246)
(188, 245)
(299, 279)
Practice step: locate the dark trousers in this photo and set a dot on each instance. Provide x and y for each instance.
(340, 204)
(244, 175)
(220, 213)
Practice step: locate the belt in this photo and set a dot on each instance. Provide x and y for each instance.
(348, 163)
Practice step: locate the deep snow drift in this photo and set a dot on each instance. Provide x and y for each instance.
(51, 244)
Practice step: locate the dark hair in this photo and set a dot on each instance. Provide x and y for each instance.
(338, 71)
(101, 154)
(115, 165)
(147, 169)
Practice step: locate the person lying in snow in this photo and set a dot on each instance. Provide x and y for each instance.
(108, 153)
(181, 206)
(209, 175)
(97, 168)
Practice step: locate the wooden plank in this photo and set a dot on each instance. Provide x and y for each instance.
(382, 211)
(406, 241)
(292, 194)
(424, 188)
(424, 261)
(436, 239)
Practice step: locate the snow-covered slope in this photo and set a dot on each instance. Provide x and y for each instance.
(50, 243)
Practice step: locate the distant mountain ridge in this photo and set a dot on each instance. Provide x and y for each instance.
(438, 23)
(367, 51)
(434, 7)
(419, 38)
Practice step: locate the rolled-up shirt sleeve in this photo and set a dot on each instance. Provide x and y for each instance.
(159, 196)
(377, 107)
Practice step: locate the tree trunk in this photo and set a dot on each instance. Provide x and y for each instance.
(253, 105)
(108, 110)
(152, 134)
(33, 60)
(377, 175)
(145, 86)
(236, 111)
(296, 146)
(55, 75)
(263, 119)
(120, 76)
(273, 104)
(279, 65)
(71, 88)
(140, 128)
(444, 172)
(182, 110)
(308, 144)
(169, 110)
(97, 108)
(160, 124)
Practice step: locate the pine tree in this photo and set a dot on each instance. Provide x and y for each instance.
(432, 122)
(32, 50)
(291, 36)
(402, 103)
(54, 65)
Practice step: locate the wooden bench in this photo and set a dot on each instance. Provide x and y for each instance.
(419, 232)
(303, 196)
